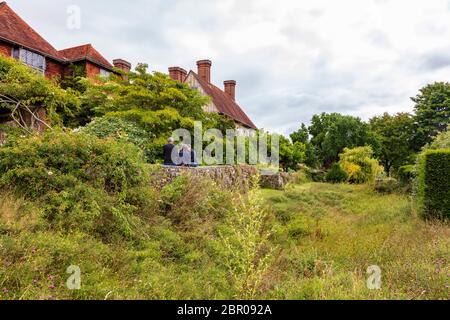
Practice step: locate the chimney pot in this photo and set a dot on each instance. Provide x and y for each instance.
(230, 88)
(177, 74)
(122, 64)
(204, 70)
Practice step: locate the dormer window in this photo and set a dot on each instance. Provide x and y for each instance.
(32, 59)
(105, 73)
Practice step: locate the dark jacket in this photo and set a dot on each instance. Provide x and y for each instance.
(168, 154)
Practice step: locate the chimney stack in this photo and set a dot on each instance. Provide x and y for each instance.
(122, 64)
(177, 74)
(230, 88)
(204, 70)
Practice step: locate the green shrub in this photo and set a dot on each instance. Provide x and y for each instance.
(85, 183)
(386, 185)
(336, 174)
(434, 183)
(359, 164)
(118, 129)
(190, 200)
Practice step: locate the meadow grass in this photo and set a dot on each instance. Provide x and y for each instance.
(330, 235)
(314, 241)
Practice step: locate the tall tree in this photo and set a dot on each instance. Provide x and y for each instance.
(432, 108)
(302, 136)
(331, 133)
(395, 134)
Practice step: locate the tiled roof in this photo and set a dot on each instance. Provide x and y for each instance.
(224, 103)
(85, 52)
(14, 29)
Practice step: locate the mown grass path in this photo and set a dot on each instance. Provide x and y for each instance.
(330, 234)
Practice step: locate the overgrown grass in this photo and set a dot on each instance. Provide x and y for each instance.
(331, 234)
(315, 241)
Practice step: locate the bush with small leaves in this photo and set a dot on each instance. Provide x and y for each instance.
(336, 174)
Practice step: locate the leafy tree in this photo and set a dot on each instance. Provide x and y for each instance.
(441, 141)
(302, 136)
(21, 86)
(432, 108)
(395, 134)
(146, 92)
(331, 133)
(291, 154)
(360, 165)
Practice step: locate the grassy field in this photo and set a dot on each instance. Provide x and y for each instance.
(315, 241)
(331, 234)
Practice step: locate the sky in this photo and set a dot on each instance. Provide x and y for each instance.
(291, 58)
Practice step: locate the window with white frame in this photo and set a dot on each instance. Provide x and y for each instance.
(105, 73)
(30, 58)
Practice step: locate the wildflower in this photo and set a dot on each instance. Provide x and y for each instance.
(50, 173)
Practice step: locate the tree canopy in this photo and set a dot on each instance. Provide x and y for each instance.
(432, 109)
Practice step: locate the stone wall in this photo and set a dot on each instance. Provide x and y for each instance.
(230, 177)
(237, 177)
(276, 181)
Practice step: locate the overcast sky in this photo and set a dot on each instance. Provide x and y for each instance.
(291, 58)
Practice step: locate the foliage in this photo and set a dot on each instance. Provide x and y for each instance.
(434, 183)
(406, 174)
(84, 183)
(441, 141)
(246, 250)
(386, 185)
(146, 92)
(331, 133)
(119, 129)
(25, 85)
(395, 134)
(336, 174)
(359, 164)
(301, 135)
(191, 200)
(432, 109)
(291, 154)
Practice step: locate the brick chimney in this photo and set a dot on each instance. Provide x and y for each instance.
(230, 88)
(122, 64)
(204, 70)
(178, 74)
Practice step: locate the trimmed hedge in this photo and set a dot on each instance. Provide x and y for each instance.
(434, 183)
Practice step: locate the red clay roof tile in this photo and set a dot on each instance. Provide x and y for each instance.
(85, 52)
(13, 28)
(225, 103)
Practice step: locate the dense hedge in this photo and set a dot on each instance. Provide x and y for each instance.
(434, 183)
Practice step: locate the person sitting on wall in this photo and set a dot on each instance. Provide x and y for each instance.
(168, 148)
(188, 156)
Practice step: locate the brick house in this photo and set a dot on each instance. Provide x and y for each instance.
(222, 101)
(19, 40)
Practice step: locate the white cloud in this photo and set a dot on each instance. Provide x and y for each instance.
(291, 58)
